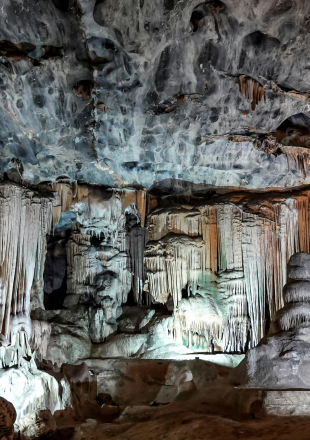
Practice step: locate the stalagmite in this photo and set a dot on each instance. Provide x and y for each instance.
(296, 311)
(281, 359)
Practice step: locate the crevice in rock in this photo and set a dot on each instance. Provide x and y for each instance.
(55, 271)
(203, 10)
(15, 51)
(84, 88)
(18, 51)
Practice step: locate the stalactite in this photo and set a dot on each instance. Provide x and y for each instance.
(233, 252)
(251, 90)
(14, 353)
(25, 219)
(300, 156)
(40, 336)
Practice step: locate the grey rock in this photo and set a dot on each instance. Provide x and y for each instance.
(299, 267)
(297, 291)
(149, 96)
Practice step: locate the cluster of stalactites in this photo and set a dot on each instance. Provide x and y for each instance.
(198, 248)
(300, 156)
(103, 215)
(171, 264)
(251, 89)
(25, 219)
(70, 194)
(13, 354)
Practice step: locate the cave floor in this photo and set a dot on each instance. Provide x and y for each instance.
(189, 417)
(194, 426)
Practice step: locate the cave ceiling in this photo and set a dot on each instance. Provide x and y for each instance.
(145, 93)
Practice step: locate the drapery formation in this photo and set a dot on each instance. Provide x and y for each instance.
(102, 214)
(25, 219)
(224, 265)
(221, 263)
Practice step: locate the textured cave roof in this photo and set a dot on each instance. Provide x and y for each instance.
(143, 92)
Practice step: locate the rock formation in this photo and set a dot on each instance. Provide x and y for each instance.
(154, 185)
(281, 360)
(7, 419)
(230, 257)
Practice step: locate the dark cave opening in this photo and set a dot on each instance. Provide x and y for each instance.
(294, 131)
(130, 299)
(185, 293)
(96, 240)
(196, 17)
(55, 272)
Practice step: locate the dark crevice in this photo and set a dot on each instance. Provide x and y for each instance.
(84, 88)
(15, 51)
(55, 271)
(96, 240)
(62, 5)
(18, 51)
(206, 9)
(294, 131)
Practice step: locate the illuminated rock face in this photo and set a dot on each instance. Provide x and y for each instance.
(282, 360)
(192, 275)
(229, 260)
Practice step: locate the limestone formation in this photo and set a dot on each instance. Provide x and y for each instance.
(281, 360)
(39, 390)
(154, 185)
(25, 217)
(7, 419)
(251, 90)
(38, 424)
(221, 262)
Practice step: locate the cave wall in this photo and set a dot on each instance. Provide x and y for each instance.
(149, 276)
(230, 257)
(118, 105)
(145, 275)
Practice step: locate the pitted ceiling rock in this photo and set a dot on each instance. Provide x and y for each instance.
(120, 93)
